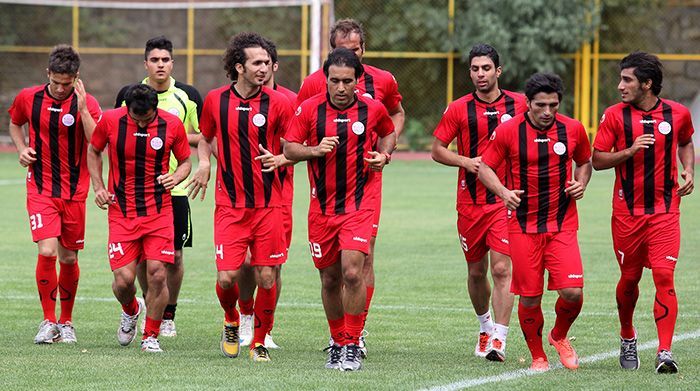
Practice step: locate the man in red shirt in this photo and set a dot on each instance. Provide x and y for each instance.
(481, 219)
(60, 118)
(140, 138)
(374, 83)
(248, 121)
(246, 283)
(336, 133)
(642, 138)
(538, 148)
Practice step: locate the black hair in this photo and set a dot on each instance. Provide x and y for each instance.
(544, 82)
(484, 49)
(140, 98)
(646, 67)
(64, 60)
(271, 50)
(345, 27)
(235, 52)
(159, 42)
(343, 57)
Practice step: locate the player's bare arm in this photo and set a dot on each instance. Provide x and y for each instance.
(604, 160)
(180, 174)
(26, 154)
(298, 152)
(199, 180)
(686, 154)
(398, 117)
(94, 161)
(85, 116)
(511, 198)
(577, 186)
(380, 158)
(443, 155)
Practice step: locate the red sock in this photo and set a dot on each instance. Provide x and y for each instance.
(152, 328)
(132, 308)
(368, 300)
(68, 286)
(246, 306)
(567, 312)
(665, 306)
(353, 328)
(626, 294)
(227, 299)
(265, 301)
(337, 328)
(47, 282)
(532, 322)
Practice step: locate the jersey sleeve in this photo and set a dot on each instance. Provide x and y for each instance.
(18, 115)
(605, 138)
(94, 108)
(286, 116)
(685, 133)
(447, 128)
(300, 127)
(582, 153)
(309, 88)
(393, 97)
(192, 117)
(384, 124)
(100, 135)
(207, 124)
(180, 147)
(193, 94)
(497, 147)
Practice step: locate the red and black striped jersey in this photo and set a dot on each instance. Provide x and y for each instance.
(647, 182)
(56, 134)
(137, 157)
(340, 181)
(287, 173)
(239, 125)
(472, 121)
(374, 83)
(538, 161)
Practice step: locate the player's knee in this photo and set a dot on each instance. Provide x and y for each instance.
(352, 277)
(500, 272)
(530, 301)
(48, 251)
(123, 282)
(69, 259)
(330, 282)
(477, 272)
(267, 277)
(157, 275)
(571, 294)
(662, 277)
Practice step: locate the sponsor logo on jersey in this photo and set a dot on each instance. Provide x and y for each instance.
(672, 259)
(542, 140)
(491, 113)
(647, 121)
(239, 108)
(276, 256)
(167, 252)
(359, 239)
(576, 276)
(54, 109)
(341, 120)
(137, 134)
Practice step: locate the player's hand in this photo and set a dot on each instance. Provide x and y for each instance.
(575, 189)
(167, 181)
(511, 198)
(268, 160)
(326, 145)
(376, 161)
(198, 182)
(103, 198)
(472, 164)
(689, 184)
(642, 142)
(81, 94)
(27, 156)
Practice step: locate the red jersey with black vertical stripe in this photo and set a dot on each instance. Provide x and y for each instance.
(472, 121)
(137, 157)
(341, 181)
(286, 174)
(374, 83)
(239, 125)
(646, 183)
(538, 161)
(56, 134)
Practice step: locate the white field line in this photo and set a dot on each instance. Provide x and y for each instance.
(296, 304)
(12, 182)
(468, 383)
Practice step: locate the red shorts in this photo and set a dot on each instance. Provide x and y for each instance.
(287, 222)
(480, 228)
(329, 235)
(651, 241)
(141, 238)
(238, 229)
(57, 218)
(531, 254)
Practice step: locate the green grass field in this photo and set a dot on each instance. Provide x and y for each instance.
(422, 327)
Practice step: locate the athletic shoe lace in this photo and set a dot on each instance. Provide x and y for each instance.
(351, 353)
(497, 344)
(483, 341)
(564, 343)
(629, 349)
(67, 332)
(231, 333)
(334, 354)
(665, 355)
(261, 352)
(128, 322)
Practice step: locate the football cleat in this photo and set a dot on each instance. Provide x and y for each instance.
(335, 357)
(260, 354)
(482, 345)
(246, 329)
(269, 343)
(127, 324)
(629, 359)
(167, 328)
(665, 363)
(48, 332)
(352, 360)
(230, 344)
(539, 365)
(362, 345)
(67, 332)
(151, 345)
(567, 354)
(498, 350)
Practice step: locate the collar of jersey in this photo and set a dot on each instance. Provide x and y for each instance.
(170, 89)
(537, 128)
(476, 98)
(233, 89)
(656, 106)
(328, 98)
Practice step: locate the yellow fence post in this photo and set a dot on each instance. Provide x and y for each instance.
(190, 44)
(577, 84)
(304, 41)
(76, 25)
(585, 113)
(450, 55)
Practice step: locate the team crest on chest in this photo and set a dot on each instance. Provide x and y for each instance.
(68, 119)
(156, 143)
(174, 111)
(559, 148)
(506, 117)
(664, 128)
(259, 120)
(358, 128)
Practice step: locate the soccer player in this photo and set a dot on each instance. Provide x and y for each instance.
(173, 97)
(642, 137)
(374, 83)
(336, 133)
(538, 148)
(139, 139)
(481, 218)
(60, 118)
(246, 283)
(248, 121)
